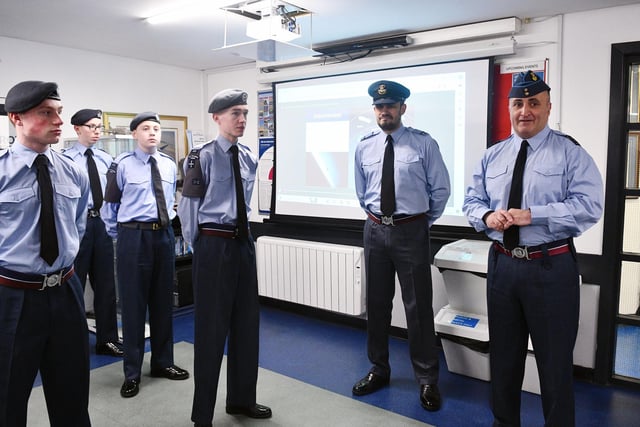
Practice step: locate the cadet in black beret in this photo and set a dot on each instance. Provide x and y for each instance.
(83, 116)
(214, 213)
(388, 92)
(143, 117)
(28, 94)
(527, 84)
(95, 256)
(227, 98)
(39, 241)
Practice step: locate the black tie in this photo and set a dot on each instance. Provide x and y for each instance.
(241, 221)
(388, 191)
(48, 235)
(163, 215)
(94, 180)
(512, 234)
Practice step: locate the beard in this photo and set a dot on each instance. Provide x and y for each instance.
(388, 125)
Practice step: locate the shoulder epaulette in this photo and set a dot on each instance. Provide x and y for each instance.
(369, 135)
(122, 156)
(418, 131)
(194, 180)
(165, 155)
(569, 137)
(501, 140)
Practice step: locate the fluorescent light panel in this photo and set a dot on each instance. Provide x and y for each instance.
(181, 10)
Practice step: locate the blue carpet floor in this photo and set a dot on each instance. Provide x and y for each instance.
(333, 357)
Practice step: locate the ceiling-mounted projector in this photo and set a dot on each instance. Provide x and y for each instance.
(363, 45)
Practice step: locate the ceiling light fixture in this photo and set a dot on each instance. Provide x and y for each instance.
(182, 10)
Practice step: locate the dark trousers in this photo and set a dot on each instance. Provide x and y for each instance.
(226, 305)
(403, 249)
(146, 269)
(46, 331)
(540, 298)
(95, 259)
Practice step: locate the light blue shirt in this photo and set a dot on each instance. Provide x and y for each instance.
(420, 175)
(562, 186)
(132, 182)
(20, 209)
(218, 205)
(102, 159)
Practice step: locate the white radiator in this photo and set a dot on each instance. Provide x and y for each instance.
(321, 275)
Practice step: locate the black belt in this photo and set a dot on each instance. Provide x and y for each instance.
(93, 213)
(218, 230)
(15, 279)
(395, 219)
(534, 252)
(142, 225)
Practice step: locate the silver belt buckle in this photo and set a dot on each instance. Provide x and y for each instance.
(519, 252)
(51, 280)
(386, 220)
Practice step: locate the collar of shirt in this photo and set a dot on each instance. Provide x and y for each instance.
(144, 157)
(535, 141)
(27, 155)
(224, 143)
(396, 134)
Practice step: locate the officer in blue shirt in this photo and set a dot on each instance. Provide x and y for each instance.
(213, 212)
(95, 258)
(138, 207)
(401, 206)
(42, 320)
(533, 286)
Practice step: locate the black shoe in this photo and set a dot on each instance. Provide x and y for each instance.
(172, 372)
(109, 349)
(372, 382)
(202, 425)
(430, 397)
(130, 388)
(254, 411)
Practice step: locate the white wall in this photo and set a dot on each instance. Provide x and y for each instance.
(577, 45)
(92, 80)
(586, 67)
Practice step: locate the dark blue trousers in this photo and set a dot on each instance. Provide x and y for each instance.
(44, 331)
(226, 306)
(541, 298)
(403, 249)
(146, 270)
(95, 259)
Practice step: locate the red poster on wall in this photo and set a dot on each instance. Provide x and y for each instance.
(502, 81)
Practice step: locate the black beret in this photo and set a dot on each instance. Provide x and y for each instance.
(227, 98)
(28, 94)
(388, 92)
(83, 116)
(143, 117)
(527, 84)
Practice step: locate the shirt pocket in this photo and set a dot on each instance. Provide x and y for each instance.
(498, 179)
(18, 205)
(409, 164)
(547, 181)
(372, 167)
(67, 197)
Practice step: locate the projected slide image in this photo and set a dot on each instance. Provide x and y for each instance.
(327, 169)
(320, 121)
(327, 153)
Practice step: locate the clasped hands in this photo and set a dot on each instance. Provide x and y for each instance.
(501, 219)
